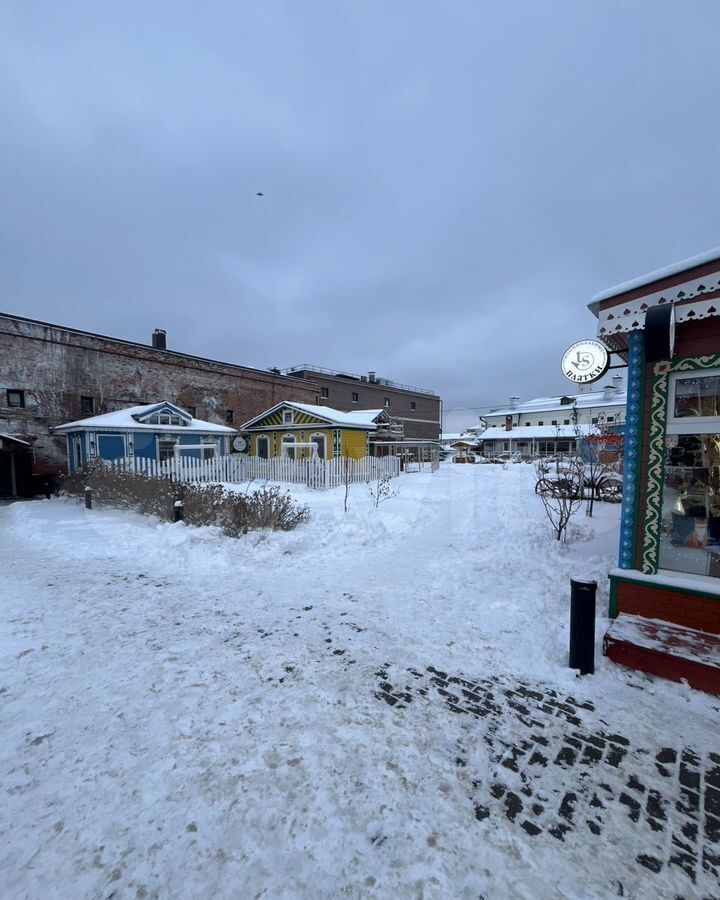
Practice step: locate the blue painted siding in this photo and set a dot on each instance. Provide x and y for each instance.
(144, 443)
(110, 446)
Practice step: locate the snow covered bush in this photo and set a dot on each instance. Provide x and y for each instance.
(210, 504)
(270, 507)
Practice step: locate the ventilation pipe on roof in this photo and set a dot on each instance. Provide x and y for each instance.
(159, 339)
(371, 377)
(514, 401)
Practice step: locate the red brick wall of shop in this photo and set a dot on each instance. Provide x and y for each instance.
(662, 602)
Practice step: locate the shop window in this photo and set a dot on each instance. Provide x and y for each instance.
(16, 399)
(690, 539)
(87, 406)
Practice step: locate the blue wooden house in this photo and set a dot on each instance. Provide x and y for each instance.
(157, 431)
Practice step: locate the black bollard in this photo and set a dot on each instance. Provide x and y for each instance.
(179, 511)
(582, 626)
(88, 498)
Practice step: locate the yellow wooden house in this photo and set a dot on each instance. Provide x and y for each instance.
(301, 431)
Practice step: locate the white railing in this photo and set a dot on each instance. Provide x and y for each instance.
(236, 469)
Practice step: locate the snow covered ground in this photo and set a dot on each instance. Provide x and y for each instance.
(187, 715)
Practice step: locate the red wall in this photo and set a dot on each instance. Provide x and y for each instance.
(662, 602)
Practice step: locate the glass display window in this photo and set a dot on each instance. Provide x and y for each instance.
(690, 539)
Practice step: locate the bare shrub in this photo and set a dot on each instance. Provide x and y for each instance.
(381, 491)
(112, 487)
(562, 497)
(211, 504)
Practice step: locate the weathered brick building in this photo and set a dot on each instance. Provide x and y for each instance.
(419, 410)
(50, 374)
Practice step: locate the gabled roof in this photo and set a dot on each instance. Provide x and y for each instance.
(361, 418)
(132, 418)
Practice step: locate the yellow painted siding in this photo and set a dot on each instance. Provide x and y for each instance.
(353, 444)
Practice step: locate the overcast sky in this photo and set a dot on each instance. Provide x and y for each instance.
(445, 184)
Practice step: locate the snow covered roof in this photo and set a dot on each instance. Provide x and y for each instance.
(130, 419)
(11, 437)
(524, 433)
(360, 418)
(650, 277)
(694, 297)
(554, 404)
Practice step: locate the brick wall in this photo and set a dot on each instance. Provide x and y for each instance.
(56, 366)
(662, 602)
(423, 422)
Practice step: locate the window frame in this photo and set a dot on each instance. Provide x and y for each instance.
(355, 397)
(689, 424)
(87, 405)
(21, 396)
(266, 438)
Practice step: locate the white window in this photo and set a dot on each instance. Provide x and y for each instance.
(319, 440)
(288, 445)
(288, 418)
(166, 450)
(262, 446)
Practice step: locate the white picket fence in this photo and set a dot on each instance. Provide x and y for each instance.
(316, 473)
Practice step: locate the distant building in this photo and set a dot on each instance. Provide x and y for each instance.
(52, 374)
(417, 409)
(552, 424)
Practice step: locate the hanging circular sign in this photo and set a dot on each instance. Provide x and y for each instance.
(239, 444)
(585, 361)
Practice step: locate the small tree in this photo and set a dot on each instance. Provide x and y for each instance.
(347, 480)
(562, 497)
(380, 491)
(598, 467)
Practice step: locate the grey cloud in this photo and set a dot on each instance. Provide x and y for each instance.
(445, 185)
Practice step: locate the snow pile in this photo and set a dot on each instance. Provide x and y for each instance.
(188, 715)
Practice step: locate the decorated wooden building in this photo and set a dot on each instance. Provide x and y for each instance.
(155, 431)
(665, 592)
(301, 430)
